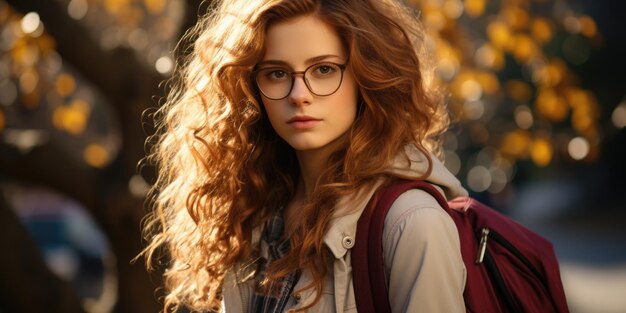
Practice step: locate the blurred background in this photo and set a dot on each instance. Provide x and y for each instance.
(536, 88)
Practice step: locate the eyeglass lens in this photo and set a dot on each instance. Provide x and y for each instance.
(321, 79)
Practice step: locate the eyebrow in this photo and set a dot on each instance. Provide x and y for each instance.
(308, 61)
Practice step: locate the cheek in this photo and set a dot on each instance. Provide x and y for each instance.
(270, 111)
(349, 97)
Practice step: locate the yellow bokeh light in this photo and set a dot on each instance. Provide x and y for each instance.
(447, 68)
(131, 16)
(30, 22)
(499, 34)
(65, 85)
(488, 56)
(46, 44)
(551, 105)
(516, 144)
(475, 8)
(485, 56)
(57, 117)
(524, 48)
(524, 117)
(77, 9)
(449, 57)
(582, 120)
(516, 17)
(74, 121)
(72, 118)
(518, 90)
(29, 80)
(96, 155)
(155, 6)
(582, 100)
(453, 8)
(586, 111)
(552, 74)
(619, 115)
(471, 90)
(23, 53)
(541, 30)
(578, 148)
(556, 70)
(592, 133)
(80, 105)
(489, 82)
(541, 152)
(114, 6)
(435, 19)
(445, 50)
(588, 26)
(461, 89)
(576, 97)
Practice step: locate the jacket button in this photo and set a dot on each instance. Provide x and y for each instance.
(297, 297)
(347, 242)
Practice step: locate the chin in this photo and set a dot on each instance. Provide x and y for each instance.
(304, 146)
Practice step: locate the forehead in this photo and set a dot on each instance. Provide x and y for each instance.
(296, 40)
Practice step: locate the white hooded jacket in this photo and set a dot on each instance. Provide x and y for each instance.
(421, 248)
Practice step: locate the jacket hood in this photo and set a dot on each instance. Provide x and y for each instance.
(413, 164)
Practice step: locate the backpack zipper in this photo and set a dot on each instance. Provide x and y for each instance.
(482, 246)
(507, 245)
(482, 255)
(491, 267)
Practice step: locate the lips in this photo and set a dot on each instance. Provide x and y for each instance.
(303, 121)
(302, 118)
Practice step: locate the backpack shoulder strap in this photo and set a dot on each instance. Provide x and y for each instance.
(367, 254)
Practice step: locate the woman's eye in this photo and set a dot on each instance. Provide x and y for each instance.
(276, 74)
(324, 70)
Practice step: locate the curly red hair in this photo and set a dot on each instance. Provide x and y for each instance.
(222, 168)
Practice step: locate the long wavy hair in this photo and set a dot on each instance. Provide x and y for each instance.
(222, 170)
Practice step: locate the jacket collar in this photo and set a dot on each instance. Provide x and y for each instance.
(344, 221)
(409, 165)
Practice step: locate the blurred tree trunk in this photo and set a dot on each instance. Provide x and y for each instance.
(129, 86)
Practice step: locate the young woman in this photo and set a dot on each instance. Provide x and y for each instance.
(286, 118)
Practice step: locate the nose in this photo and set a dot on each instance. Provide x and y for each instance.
(300, 94)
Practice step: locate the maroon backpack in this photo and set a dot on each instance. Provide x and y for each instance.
(509, 268)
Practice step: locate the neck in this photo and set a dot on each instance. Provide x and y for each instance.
(312, 164)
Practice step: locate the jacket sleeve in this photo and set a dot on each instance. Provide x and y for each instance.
(421, 251)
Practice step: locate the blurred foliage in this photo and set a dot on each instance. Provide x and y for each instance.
(39, 91)
(508, 66)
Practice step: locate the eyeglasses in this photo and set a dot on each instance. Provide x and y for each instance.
(322, 79)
